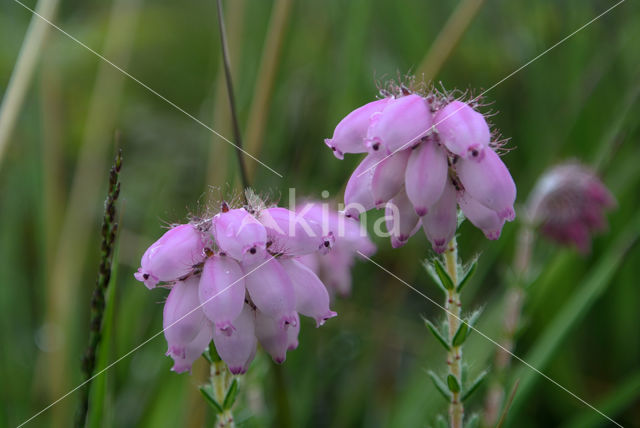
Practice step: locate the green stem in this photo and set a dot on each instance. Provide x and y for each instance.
(221, 381)
(454, 357)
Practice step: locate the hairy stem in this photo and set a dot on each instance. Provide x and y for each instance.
(454, 356)
(221, 381)
(232, 101)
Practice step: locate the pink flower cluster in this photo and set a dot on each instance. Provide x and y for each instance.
(569, 202)
(426, 155)
(235, 279)
(334, 267)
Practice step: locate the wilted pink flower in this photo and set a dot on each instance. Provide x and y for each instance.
(429, 154)
(569, 203)
(234, 279)
(351, 239)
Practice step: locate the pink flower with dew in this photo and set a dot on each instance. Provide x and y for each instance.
(569, 203)
(172, 256)
(442, 156)
(234, 279)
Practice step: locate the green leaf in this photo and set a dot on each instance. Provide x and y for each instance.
(208, 395)
(472, 320)
(468, 274)
(475, 385)
(232, 393)
(432, 273)
(453, 384)
(440, 385)
(461, 334)
(473, 421)
(445, 279)
(436, 332)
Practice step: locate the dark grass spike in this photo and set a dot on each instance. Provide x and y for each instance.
(108, 233)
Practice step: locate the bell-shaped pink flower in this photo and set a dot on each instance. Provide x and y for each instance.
(272, 291)
(400, 125)
(401, 218)
(172, 256)
(350, 133)
(388, 177)
(426, 175)
(221, 291)
(238, 348)
(240, 235)
(193, 350)
(292, 234)
(182, 316)
(462, 130)
(357, 195)
(481, 217)
(312, 298)
(275, 339)
(441, 221)
(489, 182)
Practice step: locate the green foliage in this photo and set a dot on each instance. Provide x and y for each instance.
(440, 385)
(207, 393)
(437, 334)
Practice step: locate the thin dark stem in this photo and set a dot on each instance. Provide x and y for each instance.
(232, 101)
(108, 232)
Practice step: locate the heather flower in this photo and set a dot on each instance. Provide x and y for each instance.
(351, 131)
(172, 256)
(429, 154)
(569, 204)
(334, 268)
(234, 279)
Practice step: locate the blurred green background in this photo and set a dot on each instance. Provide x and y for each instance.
(299, 67)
